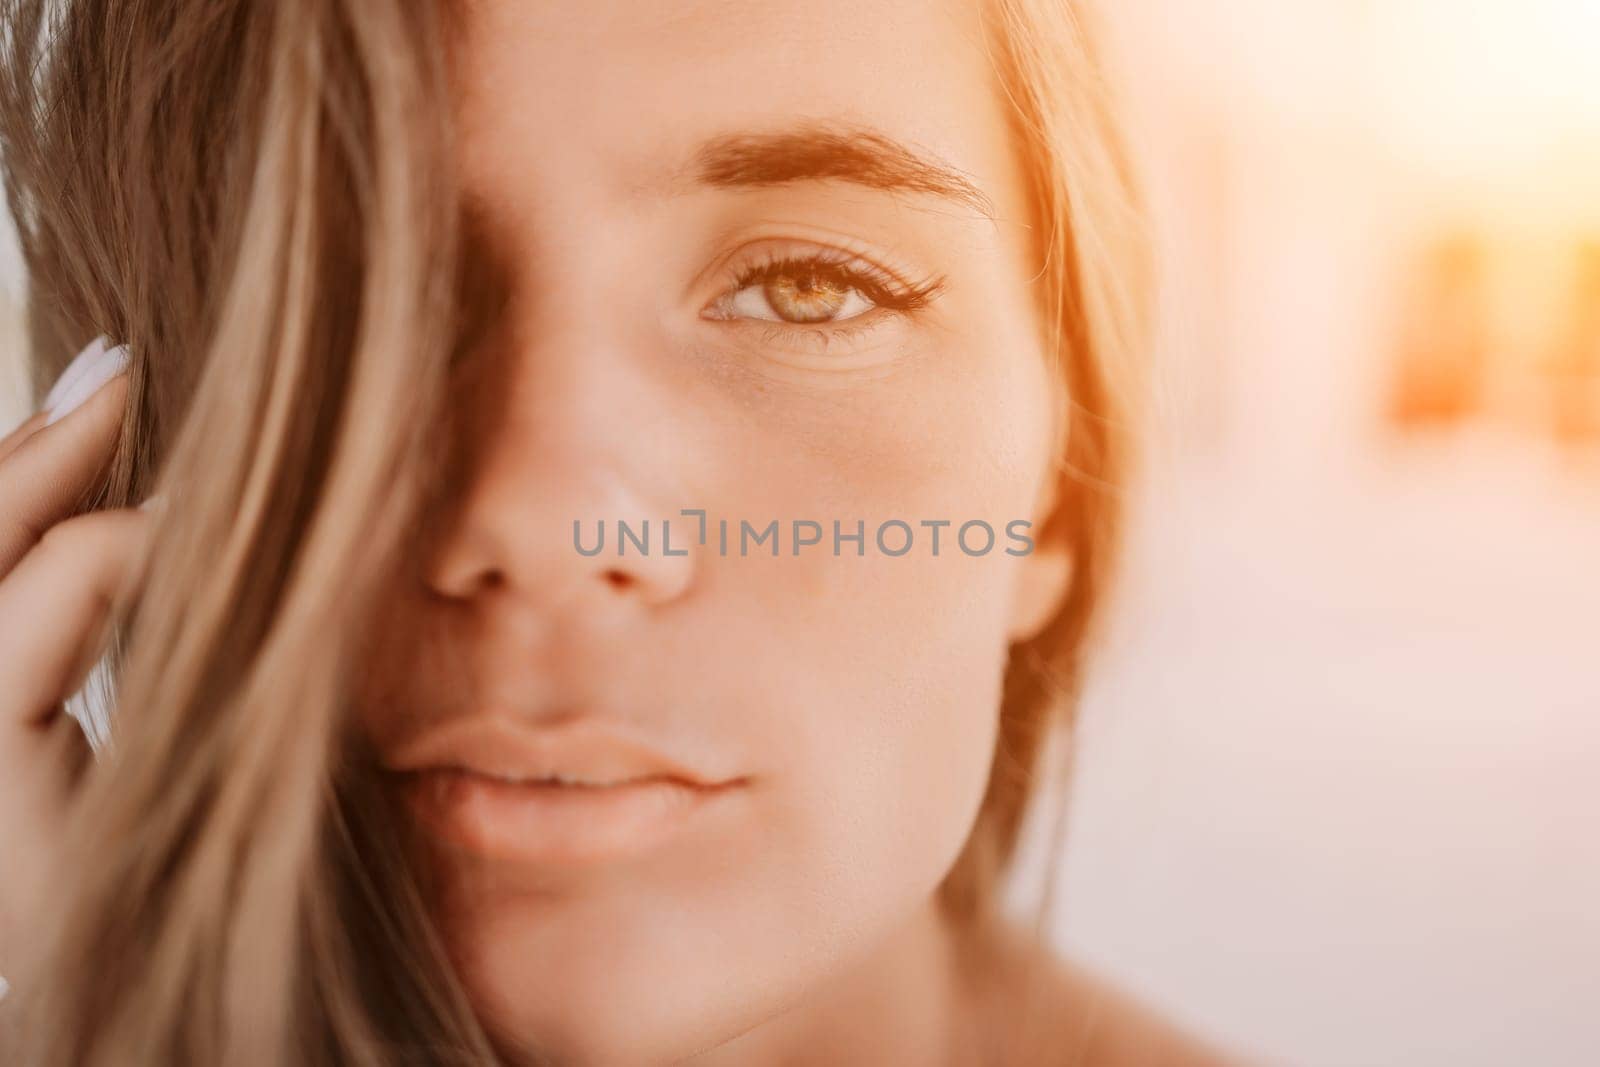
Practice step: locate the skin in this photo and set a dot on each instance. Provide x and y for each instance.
(857, 697)
(853, 700)
(59, 578)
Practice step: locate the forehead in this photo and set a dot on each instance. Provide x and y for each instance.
(611, 93)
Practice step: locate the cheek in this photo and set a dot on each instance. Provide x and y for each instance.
(873, 682)
(888, 733)
(876, 680)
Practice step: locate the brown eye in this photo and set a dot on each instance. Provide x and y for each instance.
(798, 296)
(806, 299)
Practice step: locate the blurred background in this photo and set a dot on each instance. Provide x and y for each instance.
(1337, 799)
(1338, 779)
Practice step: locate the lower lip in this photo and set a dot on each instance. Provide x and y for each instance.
(548, 824)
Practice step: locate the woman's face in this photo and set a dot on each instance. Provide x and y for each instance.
(767, 262)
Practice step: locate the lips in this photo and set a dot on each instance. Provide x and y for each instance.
(550, 795)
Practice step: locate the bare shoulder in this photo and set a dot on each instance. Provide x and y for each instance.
(1043, 1010)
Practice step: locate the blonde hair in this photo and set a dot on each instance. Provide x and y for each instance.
(257, 198)
(1094, 280)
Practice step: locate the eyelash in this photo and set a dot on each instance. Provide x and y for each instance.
(886, 291)
(877, 285)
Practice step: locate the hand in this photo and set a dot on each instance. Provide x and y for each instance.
(61, 579)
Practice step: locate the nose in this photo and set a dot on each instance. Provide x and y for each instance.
(572, 436)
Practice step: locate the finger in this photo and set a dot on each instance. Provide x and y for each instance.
(37, 792)
(57, 606)
(41, 783)
(52, 471)
(24, 430)
(83, 364)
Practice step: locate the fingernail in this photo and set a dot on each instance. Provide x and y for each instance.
(100, 364)
(90, 353)
(156, 502)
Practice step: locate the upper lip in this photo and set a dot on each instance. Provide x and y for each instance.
(578, 753)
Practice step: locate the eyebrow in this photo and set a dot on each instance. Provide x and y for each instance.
(857, 155)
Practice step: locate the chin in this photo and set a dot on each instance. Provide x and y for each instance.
(575, 981)
(606, 1019)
